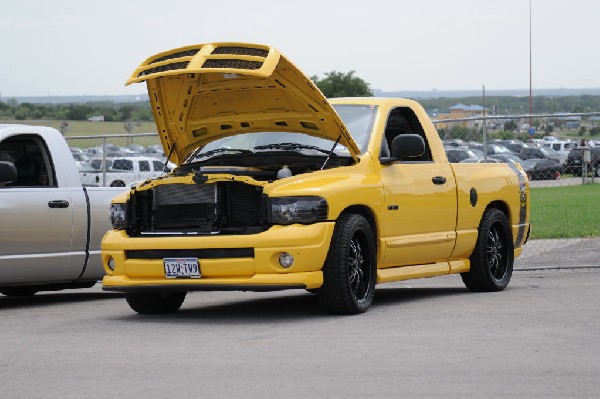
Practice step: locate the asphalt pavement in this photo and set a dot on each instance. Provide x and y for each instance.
(559, 254)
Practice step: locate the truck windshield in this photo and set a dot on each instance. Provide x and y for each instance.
(357, 118)
(359, 121)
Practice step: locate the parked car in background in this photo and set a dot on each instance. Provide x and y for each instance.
(542, 169)
(481, 160)
(507, 158)
(123, 171)
(561, 146)
(459, 154)
(491, 148)
(453, 143)
(531, 152)
(515, 146)
(575, 161)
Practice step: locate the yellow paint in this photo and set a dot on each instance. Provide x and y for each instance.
(422, 229)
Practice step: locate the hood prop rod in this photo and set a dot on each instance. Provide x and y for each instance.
(168, 158)
(331, 151)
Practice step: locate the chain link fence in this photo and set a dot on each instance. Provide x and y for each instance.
(560, 154)
(118, 160)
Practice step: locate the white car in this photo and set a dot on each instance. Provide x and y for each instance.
(122, 171)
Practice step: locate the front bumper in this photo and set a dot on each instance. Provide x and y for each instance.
(233, 262)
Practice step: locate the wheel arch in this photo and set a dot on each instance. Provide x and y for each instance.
(501, 206)
(367, 213)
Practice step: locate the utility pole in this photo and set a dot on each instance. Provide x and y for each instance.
(530, 74)
(484, 127)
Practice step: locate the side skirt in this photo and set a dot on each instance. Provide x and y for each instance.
(420, 271)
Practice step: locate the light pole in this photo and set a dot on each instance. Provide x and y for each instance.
(530, 80)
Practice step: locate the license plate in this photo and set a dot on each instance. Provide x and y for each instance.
(182, 268)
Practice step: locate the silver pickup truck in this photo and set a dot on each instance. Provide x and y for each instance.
(50, 225)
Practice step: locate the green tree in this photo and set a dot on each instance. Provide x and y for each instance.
(339, 84)
(78, 112)
(595, 131)
(459, 132)
(504, 135)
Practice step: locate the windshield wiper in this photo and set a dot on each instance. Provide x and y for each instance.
(219, 150)
(291, 147)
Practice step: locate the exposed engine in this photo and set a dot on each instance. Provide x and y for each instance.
(198, 209)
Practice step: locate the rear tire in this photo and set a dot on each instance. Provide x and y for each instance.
(117, 183)
(155, 302)
(18, 291)
(493, 256)
(350, 268)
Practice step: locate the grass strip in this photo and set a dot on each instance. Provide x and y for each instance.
(565, 212)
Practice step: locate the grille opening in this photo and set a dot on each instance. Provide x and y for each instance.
(200, 209)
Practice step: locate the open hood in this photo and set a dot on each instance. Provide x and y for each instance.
(204, 92)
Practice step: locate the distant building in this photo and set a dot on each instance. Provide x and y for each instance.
(468, 110)
(460, 111)
(98, 118)
(594, 121)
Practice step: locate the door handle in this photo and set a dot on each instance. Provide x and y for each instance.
(58, 204)
(438, 180)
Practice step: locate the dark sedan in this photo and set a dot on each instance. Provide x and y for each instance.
(542, 169)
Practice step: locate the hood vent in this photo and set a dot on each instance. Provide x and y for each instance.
(234, 64)
(179, 54)
(164, 68)
(236, 50)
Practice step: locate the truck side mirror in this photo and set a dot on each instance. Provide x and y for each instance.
(8, 172)
(405, 146)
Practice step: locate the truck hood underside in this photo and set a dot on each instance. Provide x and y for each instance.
(205, 92)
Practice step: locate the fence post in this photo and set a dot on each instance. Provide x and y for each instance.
(104, 161)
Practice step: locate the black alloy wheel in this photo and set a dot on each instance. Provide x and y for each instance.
(493, 256)
(350, 268)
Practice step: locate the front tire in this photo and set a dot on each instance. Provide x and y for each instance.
(350, 268)
(493, 256)
(155, 302)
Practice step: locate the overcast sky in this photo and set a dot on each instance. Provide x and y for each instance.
(84, 47)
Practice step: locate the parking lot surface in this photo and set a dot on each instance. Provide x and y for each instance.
(421, 338)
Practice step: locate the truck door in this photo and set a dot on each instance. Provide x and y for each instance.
(420, 197)
(37, 219)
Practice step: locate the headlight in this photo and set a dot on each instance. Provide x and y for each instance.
(304, 210)
(118, 216)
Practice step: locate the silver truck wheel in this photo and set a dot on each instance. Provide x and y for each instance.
(493, 256)
(155, 302)
(350, 269)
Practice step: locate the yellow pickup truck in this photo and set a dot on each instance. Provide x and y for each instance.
(279, 188)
